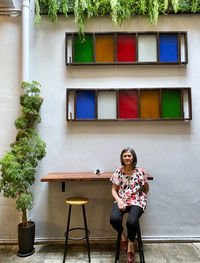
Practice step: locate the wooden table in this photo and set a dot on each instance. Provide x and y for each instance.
(66, 177)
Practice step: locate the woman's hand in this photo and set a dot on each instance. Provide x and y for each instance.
(121, 205)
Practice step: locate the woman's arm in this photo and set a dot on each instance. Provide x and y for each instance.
(120, 203)
(146, 187)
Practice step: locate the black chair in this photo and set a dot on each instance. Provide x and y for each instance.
(76, 201)
(140, 245)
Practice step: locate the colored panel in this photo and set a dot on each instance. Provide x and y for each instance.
(71, 105)
(149, 104)
(125, 48)
(104, 49)
(128, 104)
(171, 104)
(69, 49)
(85, 104)
(147, 48)
(107, 108)
(186, 104)
(183, 48)
(168, 47)
(83, 52)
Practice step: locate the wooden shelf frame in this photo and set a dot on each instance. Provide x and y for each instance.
(184, 117)
(181, 39)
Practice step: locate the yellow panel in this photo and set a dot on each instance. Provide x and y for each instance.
(104, 49)
(149, 104)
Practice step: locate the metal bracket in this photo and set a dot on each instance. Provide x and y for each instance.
(63, 186)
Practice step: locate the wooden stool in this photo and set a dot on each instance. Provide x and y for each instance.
(76, 201)
(140, 245)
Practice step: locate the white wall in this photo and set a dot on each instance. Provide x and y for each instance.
(9, 109)
(167, 150)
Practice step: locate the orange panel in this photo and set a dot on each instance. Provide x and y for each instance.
(104, 49)
(149, 104)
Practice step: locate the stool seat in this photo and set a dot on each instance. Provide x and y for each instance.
(76, 200)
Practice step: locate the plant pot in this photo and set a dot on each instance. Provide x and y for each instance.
(26, 236)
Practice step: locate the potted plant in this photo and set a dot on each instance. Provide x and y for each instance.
(18, 166)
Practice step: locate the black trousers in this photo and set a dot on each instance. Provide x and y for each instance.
(116, 219)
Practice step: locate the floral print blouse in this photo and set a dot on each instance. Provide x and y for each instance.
(129, 186)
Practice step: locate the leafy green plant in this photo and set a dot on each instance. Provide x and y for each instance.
(195, 5)
(119, 10)
(18, 166)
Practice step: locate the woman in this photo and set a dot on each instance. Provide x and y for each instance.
(129, 189)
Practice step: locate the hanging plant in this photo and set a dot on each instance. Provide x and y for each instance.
(195, 5)
(166, 3)
(64, 7)
(37, 13)
(119, 10)
(175, 4)
(143, 7)
(82, 8)
(115, 6)
(153, 11)
(52, 11)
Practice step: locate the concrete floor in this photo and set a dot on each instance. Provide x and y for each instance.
(154, 253)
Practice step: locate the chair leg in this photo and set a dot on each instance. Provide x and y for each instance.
(86, 231)
(140, 244)
(67, 234)
(117, 253)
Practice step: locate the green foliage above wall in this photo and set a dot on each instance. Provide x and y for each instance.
(119, 10)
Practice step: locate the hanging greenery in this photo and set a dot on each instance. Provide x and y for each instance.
(119, 10)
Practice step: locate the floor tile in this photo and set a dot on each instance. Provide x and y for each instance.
(154, 253)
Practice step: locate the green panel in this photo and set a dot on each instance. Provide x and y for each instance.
(83, 52)
(171, 104)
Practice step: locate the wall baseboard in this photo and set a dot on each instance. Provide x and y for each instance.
(99, 240)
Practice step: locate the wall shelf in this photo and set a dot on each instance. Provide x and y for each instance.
(127, 48)
(157, 104)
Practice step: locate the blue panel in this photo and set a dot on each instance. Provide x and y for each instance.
(168, 47)
(85, 104)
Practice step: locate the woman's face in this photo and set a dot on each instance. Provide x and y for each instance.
(127, 158)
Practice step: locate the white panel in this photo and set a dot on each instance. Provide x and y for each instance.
(107, 105)
(182, 48)
(71, 105)
(69, 49)
(147, 48)
(186, 104)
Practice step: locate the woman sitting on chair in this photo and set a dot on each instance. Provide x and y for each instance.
(129, 189)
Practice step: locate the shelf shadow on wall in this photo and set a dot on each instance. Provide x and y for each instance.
(128, 127)
(137, 71)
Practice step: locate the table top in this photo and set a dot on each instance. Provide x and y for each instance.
(63, 177)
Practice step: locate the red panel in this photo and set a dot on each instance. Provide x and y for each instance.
(125, 48)
(128, 103)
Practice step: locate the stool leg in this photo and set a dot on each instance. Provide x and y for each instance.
(140, 244)
(86, 231)
(67, 233)
(117, 253)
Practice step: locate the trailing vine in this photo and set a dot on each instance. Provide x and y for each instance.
(37, 11)
(153, 11)
(52, 11)
(118, 10)
(175, 4)
(195, 5)
(64, 7)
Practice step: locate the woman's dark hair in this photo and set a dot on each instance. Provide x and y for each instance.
(128, 149)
